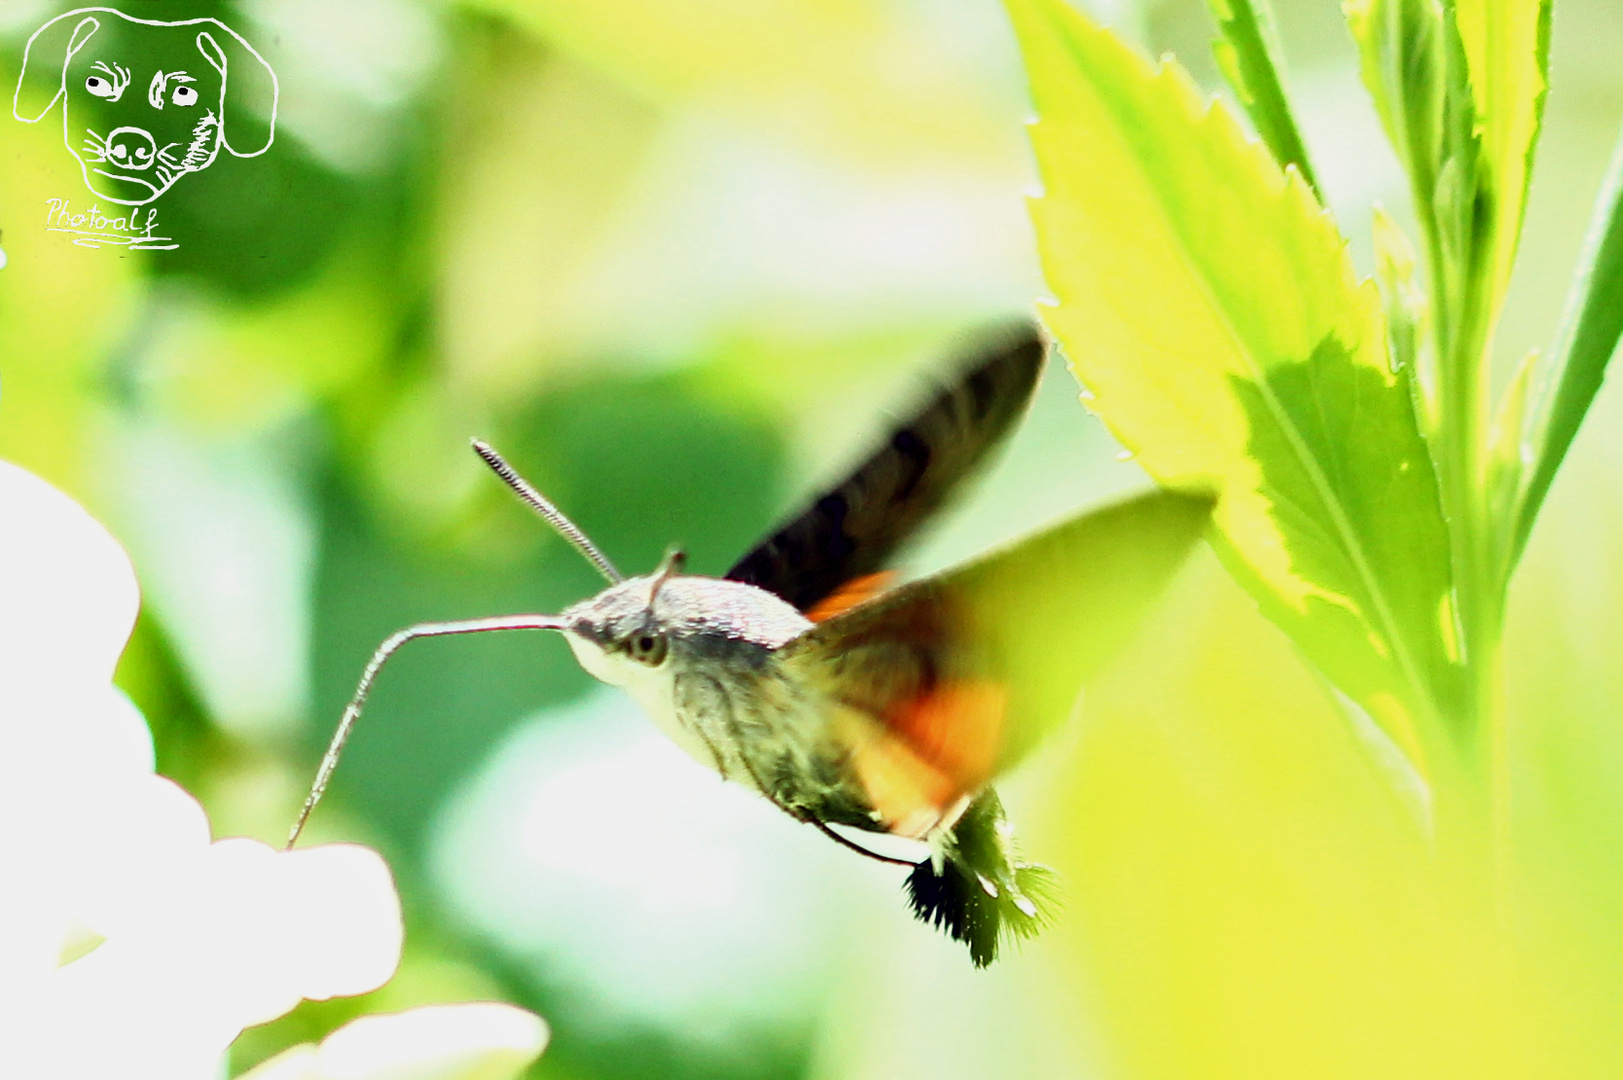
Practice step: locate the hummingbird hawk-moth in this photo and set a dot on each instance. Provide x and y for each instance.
(853, 703)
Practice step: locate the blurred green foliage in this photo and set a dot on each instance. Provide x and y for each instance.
(677, 259)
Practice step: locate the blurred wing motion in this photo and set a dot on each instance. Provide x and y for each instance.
(831, 550)
(936, 687)
(955, 677)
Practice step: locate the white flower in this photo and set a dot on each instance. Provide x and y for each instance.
(476, 1041)
(130, 944)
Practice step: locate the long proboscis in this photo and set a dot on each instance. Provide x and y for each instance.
(352, 711)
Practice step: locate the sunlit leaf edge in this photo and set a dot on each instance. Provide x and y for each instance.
(1246, 53)
(1052, 34)
(1588, 337)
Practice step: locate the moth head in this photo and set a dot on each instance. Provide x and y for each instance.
(644, 625)
(649, 624)
(621, 634)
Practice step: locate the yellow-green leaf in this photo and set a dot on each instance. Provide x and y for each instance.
(1460, 87)
(1507, 49)
(1414, 65)
(1248, 53)
(1405, 48)
(1408, 316)
(847, 77)
(1590, 330)
(1208, 305)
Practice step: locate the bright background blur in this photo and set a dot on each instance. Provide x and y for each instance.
(679, 259)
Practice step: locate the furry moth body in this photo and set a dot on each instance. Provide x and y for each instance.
(847, 704)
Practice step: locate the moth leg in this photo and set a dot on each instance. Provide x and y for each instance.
(801, 814)
(352, 711)
(697, 696)
(749, 767)
(715, 755)
(824, 828)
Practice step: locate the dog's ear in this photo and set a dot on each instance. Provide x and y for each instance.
(45, 64)
(247, 78)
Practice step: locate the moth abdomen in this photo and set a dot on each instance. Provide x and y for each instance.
(976, 891)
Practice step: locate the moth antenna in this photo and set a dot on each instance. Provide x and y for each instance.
(541, 505)
(352, 711)
(670, 566)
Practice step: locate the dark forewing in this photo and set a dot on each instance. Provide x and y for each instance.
(852, 529)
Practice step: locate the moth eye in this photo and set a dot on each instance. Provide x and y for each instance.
(185, 95)
(649, 649)
(99, 86)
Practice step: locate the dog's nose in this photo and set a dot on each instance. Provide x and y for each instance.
(132, 148)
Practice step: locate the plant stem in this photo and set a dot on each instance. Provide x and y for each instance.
(1463, 339)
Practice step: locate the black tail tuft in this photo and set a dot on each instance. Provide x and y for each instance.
(979, 894)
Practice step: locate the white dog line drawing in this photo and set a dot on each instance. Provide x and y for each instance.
(153, 139)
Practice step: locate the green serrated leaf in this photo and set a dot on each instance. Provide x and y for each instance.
(1407, 314)
(1432, 86)
(1590, 328)
(1414, 64)
(1460, 85)
(1209, 306)
(1248, 53)
(1507, 54)
(1403, 59)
